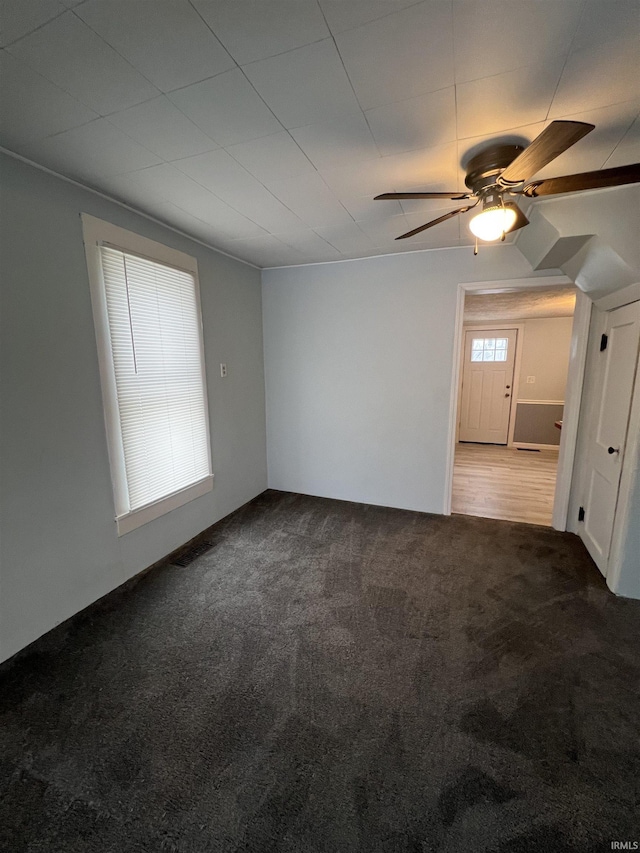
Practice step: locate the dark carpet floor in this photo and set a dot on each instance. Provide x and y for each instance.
(333, 678)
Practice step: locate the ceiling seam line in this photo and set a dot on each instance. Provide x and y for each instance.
(566, 59)
(35, 30)
(115, 50)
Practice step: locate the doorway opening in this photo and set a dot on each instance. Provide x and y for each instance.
(514, 359)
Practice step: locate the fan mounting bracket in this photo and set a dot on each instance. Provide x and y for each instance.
(484, 169)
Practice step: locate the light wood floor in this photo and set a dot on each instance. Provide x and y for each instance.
(503, 482)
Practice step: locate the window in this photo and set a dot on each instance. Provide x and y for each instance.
(489, 349)
(147, 313)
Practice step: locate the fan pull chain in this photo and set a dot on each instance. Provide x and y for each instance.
(475, 251)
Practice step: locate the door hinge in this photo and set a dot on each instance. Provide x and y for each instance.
(604, 340)
(581, 514)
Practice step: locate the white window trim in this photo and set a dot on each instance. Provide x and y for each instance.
(97, 232)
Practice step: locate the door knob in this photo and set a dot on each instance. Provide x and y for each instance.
(613, 450)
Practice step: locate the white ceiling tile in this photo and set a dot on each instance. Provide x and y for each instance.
(385, 234)
(304, 86)
(433, 169)
(253, 29)
(400, 56)
(593, 151)
(343, 15)
(442, 234)
(196, 200)
(598, 76)
(162, 128)
(488, 36)
(263, 251)
(259, 188)
(604, 22)
(73, 57)
(94, 150)
(166, 40)
(20, 17)
(511, 99)
(415, 123)
(384, 231)
(272, 158)
(227, 109)
(359, 178)
(363, 208)
(628, 150)
(310, 244)
(32, 107)
(346, 238)
(331, 144)
(218, 172)
(429, 169)
(127, 188)
(178, 218)
(311, 199)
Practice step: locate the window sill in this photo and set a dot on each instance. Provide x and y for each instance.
(132, 520)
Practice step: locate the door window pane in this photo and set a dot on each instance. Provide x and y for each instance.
(489, 349)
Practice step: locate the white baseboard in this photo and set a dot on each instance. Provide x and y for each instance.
(528, 446)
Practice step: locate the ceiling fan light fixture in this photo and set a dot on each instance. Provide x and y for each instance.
(493, 222)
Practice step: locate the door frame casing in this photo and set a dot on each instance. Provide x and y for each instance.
(573, 394)
(612, 573)
(491, 327)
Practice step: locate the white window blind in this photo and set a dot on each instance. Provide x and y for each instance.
(155, 334)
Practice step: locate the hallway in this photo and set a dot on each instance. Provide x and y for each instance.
(495, 481)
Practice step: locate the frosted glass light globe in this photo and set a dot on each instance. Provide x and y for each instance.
(491, 224)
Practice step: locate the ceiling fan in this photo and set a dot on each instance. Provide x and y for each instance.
(499, 173)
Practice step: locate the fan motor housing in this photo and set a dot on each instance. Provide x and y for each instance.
(483, 169)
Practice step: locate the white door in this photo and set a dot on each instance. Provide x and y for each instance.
(607, 431)
(487, 385)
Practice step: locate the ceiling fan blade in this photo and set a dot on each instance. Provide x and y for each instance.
(521, 219)
(435, 222)
(585, 181)
(451, 196)
(548, 145)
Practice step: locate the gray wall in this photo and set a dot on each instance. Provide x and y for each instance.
(535, 423)
(59, 548)
(358, 364)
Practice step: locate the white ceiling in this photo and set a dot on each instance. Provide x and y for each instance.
(265, 127)
(532, 304)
